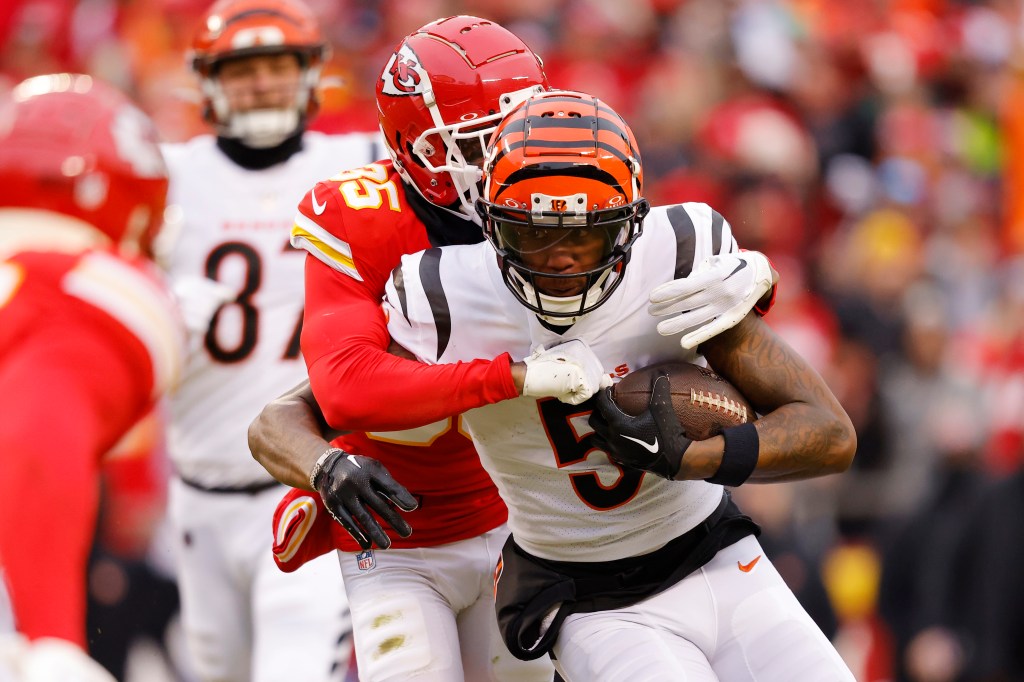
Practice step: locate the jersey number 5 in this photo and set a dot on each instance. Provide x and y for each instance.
(560, 420)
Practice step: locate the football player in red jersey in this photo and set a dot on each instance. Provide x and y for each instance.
(444, 89)
(89, 337)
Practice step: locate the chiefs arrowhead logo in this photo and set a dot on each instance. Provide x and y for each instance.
(403, 75)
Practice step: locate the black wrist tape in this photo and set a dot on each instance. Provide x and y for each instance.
(740, 457)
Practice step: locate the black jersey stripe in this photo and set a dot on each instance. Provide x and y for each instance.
(716, 232)
(430, 278)
(686, 239)
(398, 281)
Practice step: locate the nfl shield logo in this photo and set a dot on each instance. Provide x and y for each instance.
(365, 560)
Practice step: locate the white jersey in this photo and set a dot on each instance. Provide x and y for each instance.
(232, 225)
(566, 500)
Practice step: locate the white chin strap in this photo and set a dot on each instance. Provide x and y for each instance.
(262, 128)
(562, 304)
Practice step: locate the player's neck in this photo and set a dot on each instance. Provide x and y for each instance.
(443, 227)
(258, 159)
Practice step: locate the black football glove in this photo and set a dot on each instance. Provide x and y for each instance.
(653, 440)
(351, 485)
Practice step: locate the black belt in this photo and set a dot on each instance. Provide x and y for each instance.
(250, 489)
(529, 588)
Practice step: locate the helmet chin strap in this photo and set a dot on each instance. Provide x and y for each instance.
(262, 128)
(562, 304)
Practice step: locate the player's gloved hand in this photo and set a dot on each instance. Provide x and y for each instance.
(719, 293)
(653, 440)
(352, 485)
(569, 371)
(199, 298)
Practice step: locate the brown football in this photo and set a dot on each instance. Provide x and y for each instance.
(704, 402)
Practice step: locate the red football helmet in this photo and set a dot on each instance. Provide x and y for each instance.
(563, 170)
(73, 145)
(441, 95)
(241, 28)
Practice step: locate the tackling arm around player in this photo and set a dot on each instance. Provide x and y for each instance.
(441, 79)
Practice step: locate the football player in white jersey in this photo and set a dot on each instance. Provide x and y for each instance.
(627, 558)
(233, 196)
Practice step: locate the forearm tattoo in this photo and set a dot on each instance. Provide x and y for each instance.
(803, 431)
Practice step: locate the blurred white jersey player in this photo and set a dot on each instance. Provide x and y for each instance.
(240, 285)
(623, 574)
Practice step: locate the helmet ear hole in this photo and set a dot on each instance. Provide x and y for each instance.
(413, 156)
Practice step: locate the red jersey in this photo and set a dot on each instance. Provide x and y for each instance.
(88, 340)
(357, 226)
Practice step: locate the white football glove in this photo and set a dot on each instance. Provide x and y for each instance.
(719, 293)
(199, 298)
(569, 371)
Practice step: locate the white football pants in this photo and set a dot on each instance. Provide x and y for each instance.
(427, 615)
(734, 620)
(244, 619)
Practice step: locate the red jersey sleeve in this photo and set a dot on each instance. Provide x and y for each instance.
(357, 383)
(302, 530)
(356, 227)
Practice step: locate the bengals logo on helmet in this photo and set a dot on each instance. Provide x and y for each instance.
(403, 75)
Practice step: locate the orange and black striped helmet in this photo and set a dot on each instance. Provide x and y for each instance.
(562, 169)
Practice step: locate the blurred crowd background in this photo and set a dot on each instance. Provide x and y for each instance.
(872, 148)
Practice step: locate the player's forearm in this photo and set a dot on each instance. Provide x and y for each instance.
(287, 439)
(804, 431)
(794, 443)
(366, 389)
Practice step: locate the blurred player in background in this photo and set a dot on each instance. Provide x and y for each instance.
(89, 340)
(627, 559)
(233, 195)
